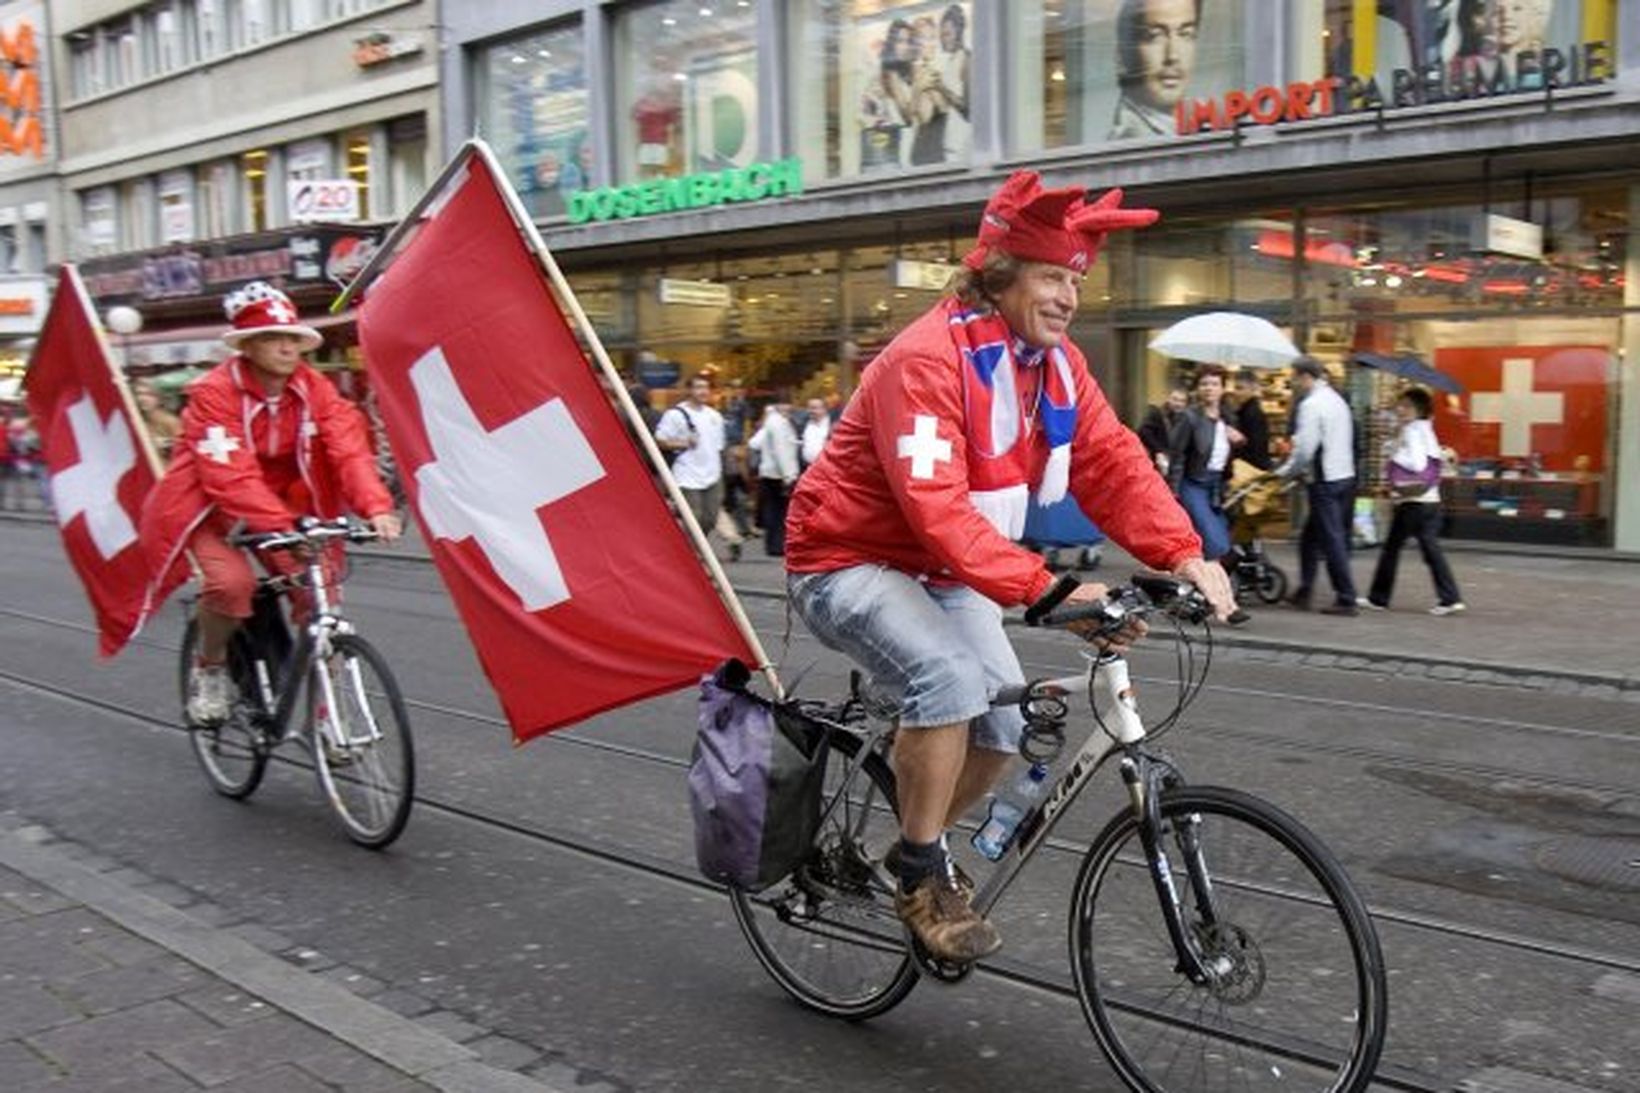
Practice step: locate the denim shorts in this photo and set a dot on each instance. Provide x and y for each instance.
(941, 647)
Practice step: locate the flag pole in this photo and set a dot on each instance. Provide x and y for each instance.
(635, 421)
(133, 413)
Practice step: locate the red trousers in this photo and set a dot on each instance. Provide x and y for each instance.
(229, 579)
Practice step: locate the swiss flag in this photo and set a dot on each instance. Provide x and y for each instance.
(577, 586)
(1548, 400)
(99, 459)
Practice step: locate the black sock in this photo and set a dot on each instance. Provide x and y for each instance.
(919, 861)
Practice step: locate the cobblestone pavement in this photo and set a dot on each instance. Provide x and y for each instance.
(114, 982)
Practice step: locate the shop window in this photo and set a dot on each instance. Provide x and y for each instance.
(686, 87)
(357, 155)
(1241, 263)
(1116, 70)
(881, 86)
(254, 175)
(1478, 46)
(531, 95)
(407, 160)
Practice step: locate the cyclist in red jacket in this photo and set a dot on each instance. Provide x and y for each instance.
(901, 547)
(265, 440)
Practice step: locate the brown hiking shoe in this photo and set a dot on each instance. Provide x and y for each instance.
(891, 866)
(938, 915)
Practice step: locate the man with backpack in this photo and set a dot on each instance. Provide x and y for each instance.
(691, 433)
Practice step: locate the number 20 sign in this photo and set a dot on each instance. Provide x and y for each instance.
(323, 200)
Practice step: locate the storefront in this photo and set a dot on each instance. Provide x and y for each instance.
(1362, 180)
(178, 292)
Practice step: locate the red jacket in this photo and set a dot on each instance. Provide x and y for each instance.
(861, 502)
(264, 462)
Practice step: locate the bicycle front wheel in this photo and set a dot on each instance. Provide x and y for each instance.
(232, 754)
(829, 933)
(361, 742)
(1295, 998)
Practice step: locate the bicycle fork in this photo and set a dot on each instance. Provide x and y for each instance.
(1145, 780)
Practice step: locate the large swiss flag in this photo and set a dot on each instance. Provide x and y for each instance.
(577, 586)
(99, 459)
(1549, 400)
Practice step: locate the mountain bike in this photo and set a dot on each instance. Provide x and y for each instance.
(354, 727)
(1215, 943)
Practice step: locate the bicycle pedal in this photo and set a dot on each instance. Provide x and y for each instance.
(941, 971)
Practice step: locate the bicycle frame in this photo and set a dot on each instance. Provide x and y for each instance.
(312, 645)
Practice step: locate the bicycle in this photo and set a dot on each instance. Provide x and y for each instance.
(1215, 942)
(356, 729)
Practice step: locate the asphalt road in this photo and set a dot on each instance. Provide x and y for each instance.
(547, 892)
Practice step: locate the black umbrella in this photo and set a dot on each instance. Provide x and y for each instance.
(1410, 368)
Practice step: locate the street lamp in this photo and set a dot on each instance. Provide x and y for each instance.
(124, 321)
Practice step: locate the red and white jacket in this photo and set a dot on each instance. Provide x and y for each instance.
(264, 461)
(892, 486)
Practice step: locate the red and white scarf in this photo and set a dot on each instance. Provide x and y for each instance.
(1010, 390)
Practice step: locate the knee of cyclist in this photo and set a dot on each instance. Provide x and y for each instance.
(946, 688)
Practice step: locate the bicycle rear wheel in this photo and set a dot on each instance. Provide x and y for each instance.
(829, 933)
(232, 754)
(1297, 1000)
(360, 734)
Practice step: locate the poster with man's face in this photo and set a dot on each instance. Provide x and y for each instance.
(1139, 59)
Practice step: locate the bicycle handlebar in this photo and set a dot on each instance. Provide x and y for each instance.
(1145, 594)
(309, 531)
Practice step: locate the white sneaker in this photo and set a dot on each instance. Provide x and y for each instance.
(210, 694)
(1448, 608)
(1366, 604)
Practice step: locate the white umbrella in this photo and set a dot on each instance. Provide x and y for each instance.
(1228, 338)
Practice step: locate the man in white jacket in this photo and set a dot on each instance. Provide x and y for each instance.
(1323, 448)
(775, 443)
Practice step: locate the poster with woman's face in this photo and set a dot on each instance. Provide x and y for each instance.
(905, 85)
(1453, 33)
(1139, 59)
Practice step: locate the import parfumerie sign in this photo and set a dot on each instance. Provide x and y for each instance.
(733, 185)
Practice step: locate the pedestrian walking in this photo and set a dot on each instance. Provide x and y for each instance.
(163, 426)
(693, 430)
(776, 445)
(1323, 449)
(1157, 431)
(816, 431)
(1414, 476)
(1251, 420)
(1198, 462)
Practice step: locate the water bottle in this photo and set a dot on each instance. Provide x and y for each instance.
(1007, 809)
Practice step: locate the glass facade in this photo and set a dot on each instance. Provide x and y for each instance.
(1103, 71)
(685, 87)
(881, 86)
(532, 96)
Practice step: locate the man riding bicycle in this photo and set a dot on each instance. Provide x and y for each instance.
(901, 547)
(265, 440)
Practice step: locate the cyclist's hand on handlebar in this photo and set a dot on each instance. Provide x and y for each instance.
(387, 525)
(1211, 581)
(1093, 593)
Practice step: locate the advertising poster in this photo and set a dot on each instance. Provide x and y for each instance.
(905, 84)
(537, 113)
(1477, 39)
(24, 48)
(1138, 59)
(722, 120)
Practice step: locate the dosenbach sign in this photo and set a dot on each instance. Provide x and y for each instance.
(754, 182)
(1579, 66)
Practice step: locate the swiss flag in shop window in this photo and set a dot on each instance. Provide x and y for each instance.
(1521, 399)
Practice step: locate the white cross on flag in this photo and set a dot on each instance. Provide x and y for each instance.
(99, 459)
(578, 588)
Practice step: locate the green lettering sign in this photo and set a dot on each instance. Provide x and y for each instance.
(707, 189)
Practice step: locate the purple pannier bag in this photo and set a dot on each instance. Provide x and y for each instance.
(755, 783)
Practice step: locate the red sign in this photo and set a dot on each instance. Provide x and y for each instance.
(1549, 401)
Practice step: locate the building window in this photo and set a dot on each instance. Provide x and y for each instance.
(881, 86)
(169, 54)
(254, 172)
(98, 221)
(357, 152)
(176, 206)
(34, 258)
(84, 64)
(406, 161)
(686, 88)
(1477, 44)
(213, 36)
(306, 160)
(531, 95)
(214, 185)
(1117, 69)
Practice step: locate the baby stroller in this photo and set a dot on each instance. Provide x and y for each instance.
(1254, 499)
(1064, 537)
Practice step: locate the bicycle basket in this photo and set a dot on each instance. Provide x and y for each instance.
(755, 783)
